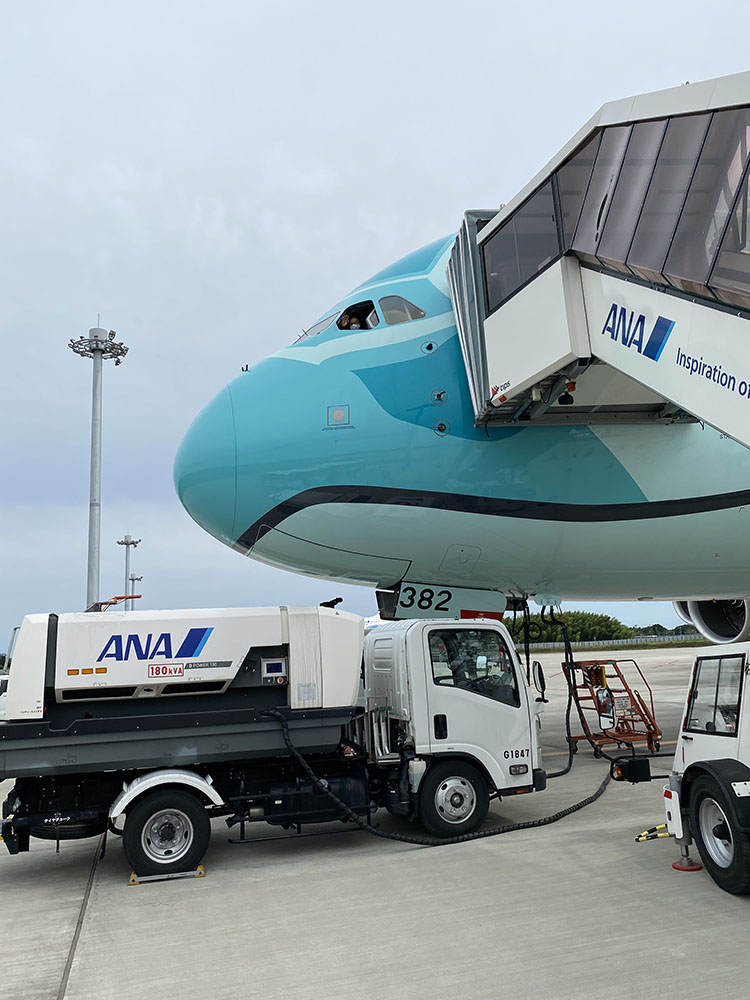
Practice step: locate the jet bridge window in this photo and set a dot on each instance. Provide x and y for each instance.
(524, 245)
(474, 660)
(665, 196)
(627, 200)
(359, 316)
(398, 310)
(709, 201)
(730, 280)
(714, 703)
(600, 190)
(572, 183)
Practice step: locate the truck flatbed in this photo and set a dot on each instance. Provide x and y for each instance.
(36, 748)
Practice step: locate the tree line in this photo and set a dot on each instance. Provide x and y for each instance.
(586, 626)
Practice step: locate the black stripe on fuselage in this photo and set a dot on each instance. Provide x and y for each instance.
(492, 506)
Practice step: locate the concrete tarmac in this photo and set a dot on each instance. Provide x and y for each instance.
(576, 909)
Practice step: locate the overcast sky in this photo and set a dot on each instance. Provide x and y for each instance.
(210, 177)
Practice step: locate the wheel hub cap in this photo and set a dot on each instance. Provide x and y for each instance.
(167, 836)
(455, 799)
(717, 837)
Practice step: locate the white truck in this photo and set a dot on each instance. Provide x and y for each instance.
(148, 724)
(707, 798)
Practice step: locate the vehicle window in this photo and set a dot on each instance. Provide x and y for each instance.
(396, 309)
(359, 316)
(714, 703)
(475, 660)
(320, 326)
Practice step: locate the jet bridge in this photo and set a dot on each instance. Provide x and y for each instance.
(616, 286)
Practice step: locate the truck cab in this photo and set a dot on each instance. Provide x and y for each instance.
(454, 695)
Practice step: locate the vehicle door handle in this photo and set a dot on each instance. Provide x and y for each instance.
(684, 737)
(440, 725)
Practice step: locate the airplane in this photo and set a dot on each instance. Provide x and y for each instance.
(357, 453)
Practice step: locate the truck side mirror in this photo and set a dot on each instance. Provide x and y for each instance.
(605, 707)
(539, 682)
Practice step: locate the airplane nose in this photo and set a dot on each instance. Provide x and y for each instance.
(205, 468)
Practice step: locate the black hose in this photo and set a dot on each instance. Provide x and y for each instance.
(527, 639)
(421, 841)
(568, 736)
(571, 689)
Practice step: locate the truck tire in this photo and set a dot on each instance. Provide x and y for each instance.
(70, 831)
(453, 799)
(723, 847)
(165, 832)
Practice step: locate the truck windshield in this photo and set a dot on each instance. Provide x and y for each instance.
(474, 660)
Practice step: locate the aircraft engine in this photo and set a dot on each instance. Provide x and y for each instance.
(718, 620)
(681, 607)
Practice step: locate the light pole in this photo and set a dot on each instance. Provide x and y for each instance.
(133, 580)
(129, 543)
(99, 345)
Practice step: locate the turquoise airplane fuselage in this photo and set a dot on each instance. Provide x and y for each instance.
(352, 455)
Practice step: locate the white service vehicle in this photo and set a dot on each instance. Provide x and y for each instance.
(708, 795)
(150, 723)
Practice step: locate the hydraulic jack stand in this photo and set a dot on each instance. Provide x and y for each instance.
(686, 863)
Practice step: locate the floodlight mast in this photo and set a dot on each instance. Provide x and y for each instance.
(100, 345)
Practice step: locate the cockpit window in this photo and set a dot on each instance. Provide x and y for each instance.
(398, 310)
(359, 316)
(320, 326)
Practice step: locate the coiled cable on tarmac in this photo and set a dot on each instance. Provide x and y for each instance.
(403, 838)
(568, 670)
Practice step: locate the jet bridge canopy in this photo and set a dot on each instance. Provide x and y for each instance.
(616, 285)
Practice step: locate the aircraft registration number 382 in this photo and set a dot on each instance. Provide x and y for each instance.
(426, 599)
(423, 600)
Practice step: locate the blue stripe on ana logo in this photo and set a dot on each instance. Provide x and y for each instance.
(658, 339)
(193, 642)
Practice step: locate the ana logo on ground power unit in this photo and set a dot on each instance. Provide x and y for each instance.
(629, 329)
(121, 647)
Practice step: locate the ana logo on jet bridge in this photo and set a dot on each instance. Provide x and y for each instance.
(624, 326)
(120, 647)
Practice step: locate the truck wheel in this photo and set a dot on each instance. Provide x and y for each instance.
(165, 832)
(453, 799)
(723, 847)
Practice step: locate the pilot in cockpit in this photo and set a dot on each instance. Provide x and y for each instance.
(349, 322)
(358, 316)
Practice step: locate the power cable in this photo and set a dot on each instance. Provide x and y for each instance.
(403, 838)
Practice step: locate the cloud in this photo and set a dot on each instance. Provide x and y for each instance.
(210, 178)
